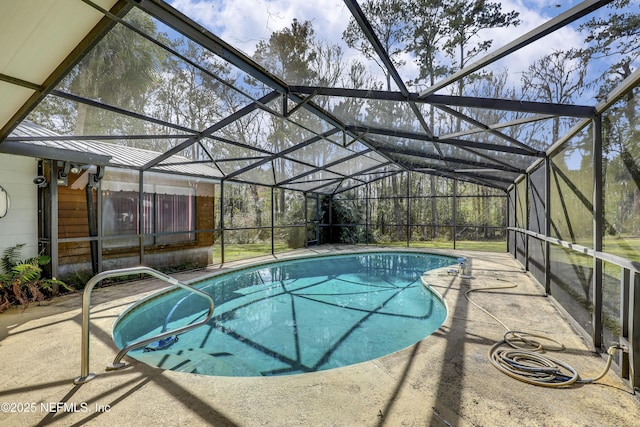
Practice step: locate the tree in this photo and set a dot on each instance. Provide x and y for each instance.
(558, 78)
(429, 33)
(289, 53)
(464, 21)
(614, 37)
(191, 96)
(389, 21)
(118, 71)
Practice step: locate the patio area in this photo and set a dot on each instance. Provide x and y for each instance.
(443, 380)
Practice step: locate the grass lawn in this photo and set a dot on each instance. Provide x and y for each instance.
(626, 247)
(469, 245)
(234, 252)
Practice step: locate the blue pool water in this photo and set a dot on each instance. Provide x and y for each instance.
(294, 316)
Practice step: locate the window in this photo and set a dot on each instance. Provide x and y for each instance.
(168, 211)
(174, 213)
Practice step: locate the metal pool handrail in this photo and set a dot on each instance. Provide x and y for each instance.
(85, 375)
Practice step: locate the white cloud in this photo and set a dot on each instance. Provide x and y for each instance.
(243, 23)
(532, 14)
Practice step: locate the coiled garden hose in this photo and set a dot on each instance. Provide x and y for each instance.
(523, 360)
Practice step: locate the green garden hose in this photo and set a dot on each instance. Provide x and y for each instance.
(522, 359)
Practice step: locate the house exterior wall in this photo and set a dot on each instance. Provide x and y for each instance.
(20, 225)
(73, 223)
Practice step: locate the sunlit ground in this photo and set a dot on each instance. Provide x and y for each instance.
(234, 251)
(625, 247)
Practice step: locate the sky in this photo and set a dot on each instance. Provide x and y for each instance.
(243, 23)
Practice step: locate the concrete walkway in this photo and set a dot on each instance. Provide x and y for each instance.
(443, 380)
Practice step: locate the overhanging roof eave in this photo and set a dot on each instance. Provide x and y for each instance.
(52, 153)
(77, 53)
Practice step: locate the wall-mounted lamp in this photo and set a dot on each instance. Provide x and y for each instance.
(67, 168)
(5, 202)
(40, 181)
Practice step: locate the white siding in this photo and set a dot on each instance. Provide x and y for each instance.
(20, 225)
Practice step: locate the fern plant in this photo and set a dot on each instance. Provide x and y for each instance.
(21, 280)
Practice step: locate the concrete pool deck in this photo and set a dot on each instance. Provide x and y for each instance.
(443, 380)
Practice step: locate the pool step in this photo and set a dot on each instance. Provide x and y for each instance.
(198, 362)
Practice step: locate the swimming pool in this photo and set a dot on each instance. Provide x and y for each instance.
(292, 316)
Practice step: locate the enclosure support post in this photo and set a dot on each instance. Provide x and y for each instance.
(222, 221)
(508, 219)
(597, 231)
(93, 227)
(516, 220)
(623, 357)
(547, 224)
(100, 219)
(306, 221)
(53, 235)
(408, 204)
(367, 213)
(272, 223)
(317, 217)
(527, 191)
(331, 218)
(141, 216)
(634, 331)
(455, 211)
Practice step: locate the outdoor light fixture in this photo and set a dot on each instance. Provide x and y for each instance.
(40, 181)
(5, 202)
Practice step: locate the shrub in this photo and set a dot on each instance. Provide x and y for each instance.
(21, 280)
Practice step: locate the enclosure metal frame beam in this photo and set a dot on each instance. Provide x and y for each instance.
(461, 177)
(460, 172)
(389, 174)
(219, 125)
(327, 166)
(502, 125)
(476, 123)
(482, 176)
(370, 34)
(103, 106)
(545, 109)
(417, 153)
(205, 38)
(548, 27)
(283, 153)
(455, 142)
(186, 26)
